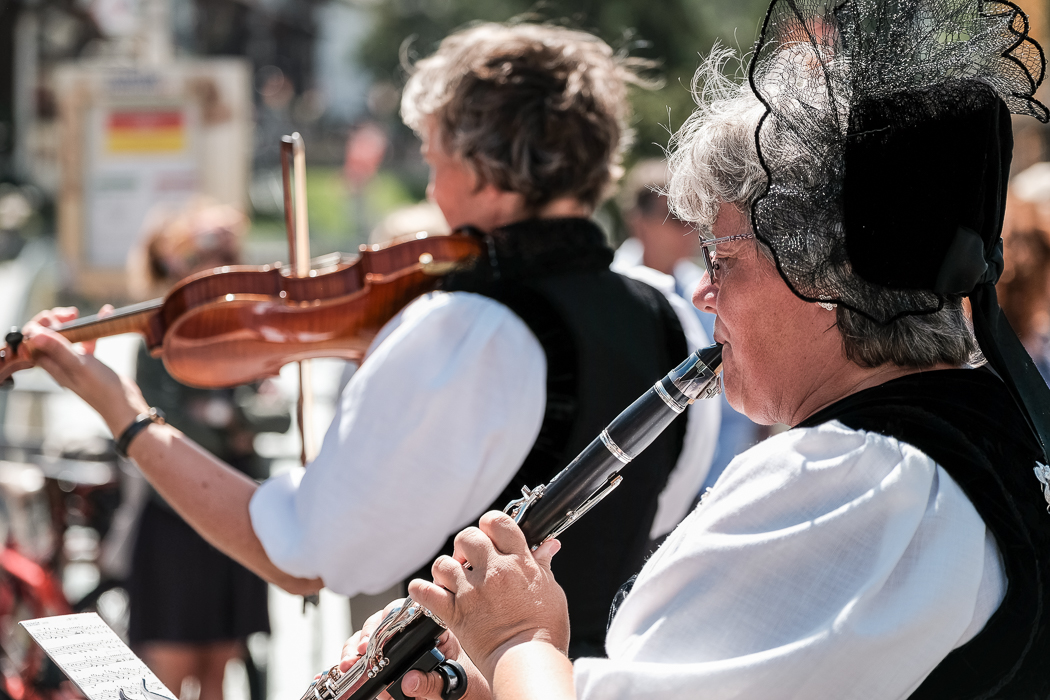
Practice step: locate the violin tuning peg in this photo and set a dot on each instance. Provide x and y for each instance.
(13, 338)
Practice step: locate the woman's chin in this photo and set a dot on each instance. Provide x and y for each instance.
(731, 389)
(734, 399)
(732, 381)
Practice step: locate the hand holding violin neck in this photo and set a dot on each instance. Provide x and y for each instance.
(128, 319)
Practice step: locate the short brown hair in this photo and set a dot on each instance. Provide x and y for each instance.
(534, 109)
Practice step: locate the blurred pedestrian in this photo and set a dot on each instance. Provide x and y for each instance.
(1024, 288)
(193, 607)
(658, 239)
(662, 242)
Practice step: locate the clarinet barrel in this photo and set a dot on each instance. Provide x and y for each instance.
(547, 511)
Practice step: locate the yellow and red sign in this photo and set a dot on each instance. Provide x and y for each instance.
(146, 131)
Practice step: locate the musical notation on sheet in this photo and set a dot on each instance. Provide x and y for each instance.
(94, 657)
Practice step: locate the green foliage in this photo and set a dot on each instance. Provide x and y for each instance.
(674, 33)
(326, 198)
(339, 220)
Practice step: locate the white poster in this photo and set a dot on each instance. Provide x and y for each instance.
(141, 157)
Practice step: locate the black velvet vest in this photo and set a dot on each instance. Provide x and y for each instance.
(607, 339)
(967, 422)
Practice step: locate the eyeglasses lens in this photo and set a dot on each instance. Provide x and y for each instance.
(709, 262)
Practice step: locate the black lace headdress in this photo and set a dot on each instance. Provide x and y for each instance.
(887, 141)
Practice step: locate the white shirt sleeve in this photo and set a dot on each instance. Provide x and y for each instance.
(827, 563)
(704, 417)
(428, 432)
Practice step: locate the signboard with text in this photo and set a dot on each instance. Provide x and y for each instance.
(136, 139)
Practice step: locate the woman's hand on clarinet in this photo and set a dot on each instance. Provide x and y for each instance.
(354, 648)
(117, 400)
(416, 684)
(506, 596)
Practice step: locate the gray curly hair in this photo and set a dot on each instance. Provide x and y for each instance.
(713, 160)
(534, 109)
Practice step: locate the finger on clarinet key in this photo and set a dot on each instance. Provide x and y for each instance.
(448, 573)
(503, 533)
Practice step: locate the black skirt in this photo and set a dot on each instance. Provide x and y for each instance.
(184, 590)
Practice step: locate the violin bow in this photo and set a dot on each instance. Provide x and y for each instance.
(293, 170)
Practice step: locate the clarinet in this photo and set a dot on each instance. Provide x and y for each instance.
(407, 638)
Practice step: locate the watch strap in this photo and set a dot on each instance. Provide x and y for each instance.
(154, 415)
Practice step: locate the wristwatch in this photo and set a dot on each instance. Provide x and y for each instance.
(154, 415)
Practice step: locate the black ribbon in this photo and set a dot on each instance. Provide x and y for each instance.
(1008, 357)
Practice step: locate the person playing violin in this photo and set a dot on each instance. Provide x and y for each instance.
(493, 382)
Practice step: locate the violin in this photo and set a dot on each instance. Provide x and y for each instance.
(240, 323)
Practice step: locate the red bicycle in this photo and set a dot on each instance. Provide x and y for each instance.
(42, 501)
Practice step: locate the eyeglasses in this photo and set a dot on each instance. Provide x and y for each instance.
(706, 246)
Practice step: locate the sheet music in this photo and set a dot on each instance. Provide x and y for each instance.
(94, 658)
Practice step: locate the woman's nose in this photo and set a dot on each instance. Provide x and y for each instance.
(705, 296)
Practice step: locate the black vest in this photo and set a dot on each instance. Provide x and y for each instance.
(607, 339)
(967, 422)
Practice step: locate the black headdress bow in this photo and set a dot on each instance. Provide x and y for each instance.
(924, 196)
(887, 144)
